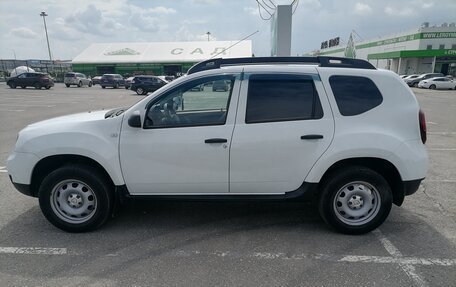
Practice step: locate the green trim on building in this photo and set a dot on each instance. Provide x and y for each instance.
(413, 54)
(405, 38)
(129, 68)
(332, 52)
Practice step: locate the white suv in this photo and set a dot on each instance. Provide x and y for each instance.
(335, 129)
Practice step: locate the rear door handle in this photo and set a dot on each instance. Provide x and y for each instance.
(216, 140)
(311, 137)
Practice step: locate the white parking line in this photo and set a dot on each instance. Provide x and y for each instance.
(12, 110)
(33, 250)
(442, 149)
(399, 260)
(441, 133)
(3, 169)
(408, 268)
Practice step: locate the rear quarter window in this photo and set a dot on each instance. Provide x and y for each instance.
(355, 95)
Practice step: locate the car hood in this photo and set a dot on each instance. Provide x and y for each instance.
(66, 129)
(69, 119)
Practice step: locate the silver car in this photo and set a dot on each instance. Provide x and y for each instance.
(77, 79)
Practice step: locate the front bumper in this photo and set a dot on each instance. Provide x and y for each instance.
(411, 186)
(20, 166)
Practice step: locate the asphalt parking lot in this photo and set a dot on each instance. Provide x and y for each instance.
(226, 244)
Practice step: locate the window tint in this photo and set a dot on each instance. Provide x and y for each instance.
(282, 98)
(194, 103)
(355, 95)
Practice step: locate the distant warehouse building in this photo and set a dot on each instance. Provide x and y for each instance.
(158, 58)
(428, 49)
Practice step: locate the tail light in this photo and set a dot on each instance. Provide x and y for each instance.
(423, 129)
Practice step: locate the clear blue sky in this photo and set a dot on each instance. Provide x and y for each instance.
(73, 25)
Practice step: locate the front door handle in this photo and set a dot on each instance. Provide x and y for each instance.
(216, 140)
(311, 137)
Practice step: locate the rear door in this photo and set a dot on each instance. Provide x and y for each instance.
(283, 125)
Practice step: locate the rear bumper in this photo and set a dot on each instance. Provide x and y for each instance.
(411, 186)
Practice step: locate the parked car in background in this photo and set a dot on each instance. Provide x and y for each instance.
(441, 83)
(413, 82)
(144, 84)
(76, 79)
(112, 80)
(128, 82)
(219, 86)
(96, 80)
(409, 77)
(37, 80)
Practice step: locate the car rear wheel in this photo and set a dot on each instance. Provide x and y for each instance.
(432, 87)
(48, 87)
(140, 91)
(103, 87)
(90, 84)
(116, 86)
(80, 84)
(12, 85)
(23, 87)
(76, 198)
(67, 85)
(37, 86)
(355, 200)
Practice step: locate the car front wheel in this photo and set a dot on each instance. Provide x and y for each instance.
(76, 198)
(432, 87)
(355, 200)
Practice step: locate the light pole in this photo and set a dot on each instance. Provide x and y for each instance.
(14, 52)
(43, 14)
(208, 35)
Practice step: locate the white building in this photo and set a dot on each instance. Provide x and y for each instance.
(425, 50)
(159, 58)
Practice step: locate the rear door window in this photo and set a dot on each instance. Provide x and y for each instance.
(355, 95)
(272, 98)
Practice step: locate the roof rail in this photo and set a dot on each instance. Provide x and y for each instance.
(333, 62)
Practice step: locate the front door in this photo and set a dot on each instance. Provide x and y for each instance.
(183, 146)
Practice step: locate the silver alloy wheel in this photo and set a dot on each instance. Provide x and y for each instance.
(357, 203)
(73, 201)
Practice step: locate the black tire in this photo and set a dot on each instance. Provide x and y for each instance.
(116, 86)
(12, 85)
(67, 85)
(126, 87)
(23, 87)
(140, 91)
(360, 184)
(103, 87)
(37, 86)
(48, 87)
(90, 84)
(432, 87)
(80, 84)
(415, 84)
(54, 198)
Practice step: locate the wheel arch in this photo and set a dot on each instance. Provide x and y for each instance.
(51, 163)
(379, 165)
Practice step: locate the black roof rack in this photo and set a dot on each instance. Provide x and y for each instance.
(333, 62)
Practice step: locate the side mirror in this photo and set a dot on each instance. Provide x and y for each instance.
(134, 120)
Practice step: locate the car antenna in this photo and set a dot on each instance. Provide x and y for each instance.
(235, 44)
